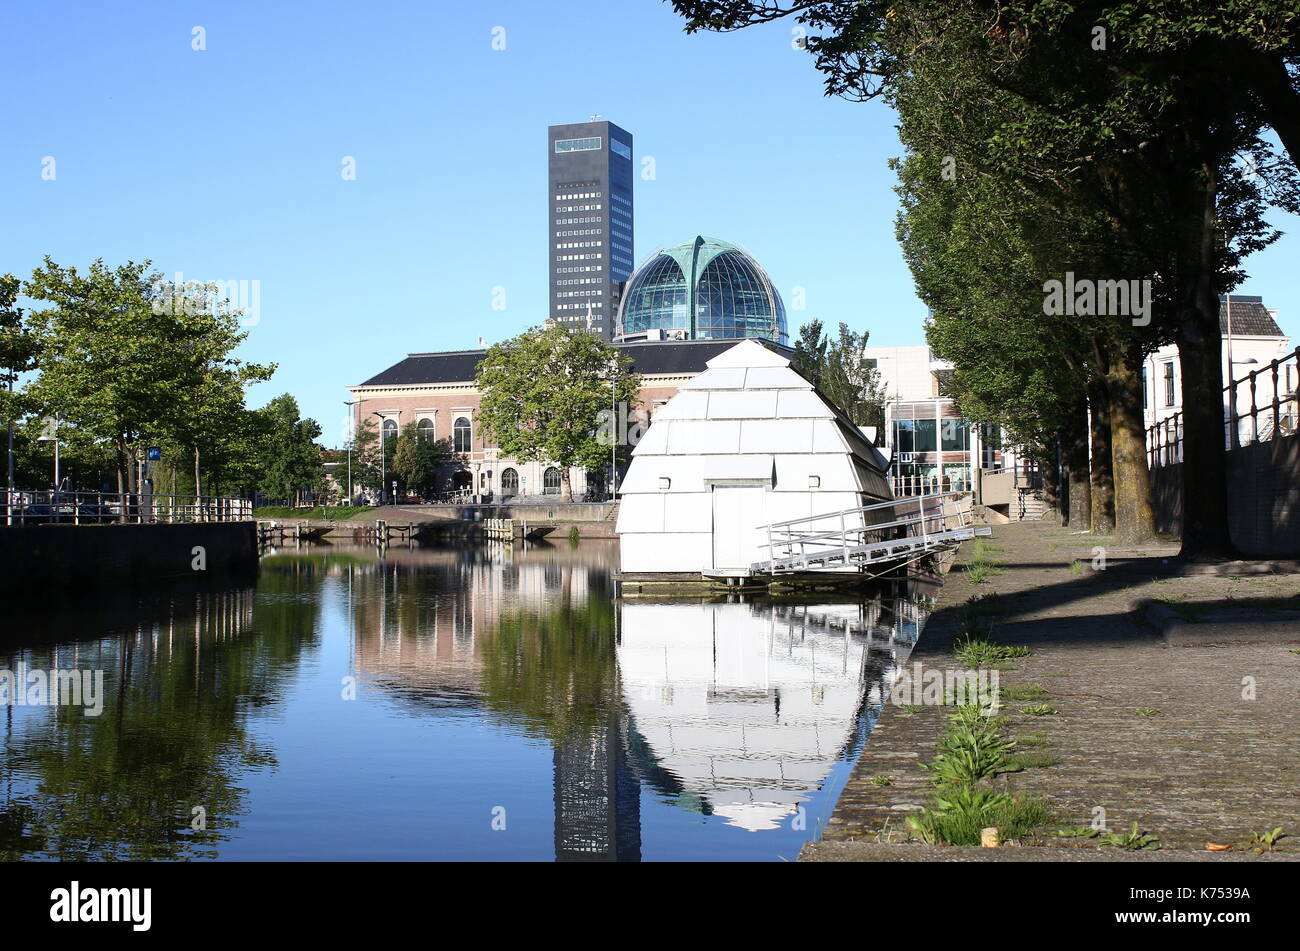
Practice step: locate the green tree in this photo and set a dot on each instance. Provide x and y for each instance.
(206, 418)
(980, 242)
(365, 454)
(290, 460)
(547, 397)
(809, 358)
(18, 348)
(1144, 127)
(104, 364)
(417, 459)
(852, 381)
(839, 368)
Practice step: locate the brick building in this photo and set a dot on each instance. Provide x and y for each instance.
(436, 391)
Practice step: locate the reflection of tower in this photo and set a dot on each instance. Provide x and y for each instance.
(597, 798)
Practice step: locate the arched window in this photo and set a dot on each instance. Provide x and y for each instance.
(390, 430)
(460, 434)
(509, 482)
(551, 482)
(424, 429)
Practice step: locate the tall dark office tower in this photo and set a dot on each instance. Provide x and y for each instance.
(590, 202)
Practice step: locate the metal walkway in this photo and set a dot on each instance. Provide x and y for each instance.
(854, 539)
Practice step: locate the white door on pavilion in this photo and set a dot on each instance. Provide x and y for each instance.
(739, 529)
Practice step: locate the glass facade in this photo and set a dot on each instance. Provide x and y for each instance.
(934, 448)
(589, 144)
(956, 435)
(915, 435)
(707, 288)
(657, 299)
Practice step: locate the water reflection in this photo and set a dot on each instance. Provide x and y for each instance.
(670, 730)
(744, 709)
(124, 785)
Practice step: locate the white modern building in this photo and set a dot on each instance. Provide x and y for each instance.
(931, 446)
(746, 443)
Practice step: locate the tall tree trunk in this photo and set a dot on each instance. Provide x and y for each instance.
(567, 496)
(1051, 476)
(1134, 517)
(197, 487)
(1074, 444)
(1200, 353)
(121, 468)
(1101, 476)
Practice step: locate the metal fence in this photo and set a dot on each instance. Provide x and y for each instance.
(1257, 408)
(908, 486)
(845, 539)
(49, 506)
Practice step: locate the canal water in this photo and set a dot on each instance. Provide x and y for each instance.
(469, 703)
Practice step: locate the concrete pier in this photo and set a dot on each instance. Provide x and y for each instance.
(37, 557)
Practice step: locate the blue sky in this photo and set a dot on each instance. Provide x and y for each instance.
(224, 164)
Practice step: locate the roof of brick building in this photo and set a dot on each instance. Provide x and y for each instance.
(658, 357)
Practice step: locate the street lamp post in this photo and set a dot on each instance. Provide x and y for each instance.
(351, 437)
(383, 472)
(614, 428)
(9, 484)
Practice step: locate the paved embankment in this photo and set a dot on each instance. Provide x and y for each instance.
(1191, 735)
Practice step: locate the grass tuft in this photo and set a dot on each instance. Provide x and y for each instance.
(960, 814)
(1027, 760)
(972, 749)
(978, 653)
(1038, 710)
(1021, 693)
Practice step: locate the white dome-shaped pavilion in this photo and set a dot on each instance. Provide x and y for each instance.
(746, 443)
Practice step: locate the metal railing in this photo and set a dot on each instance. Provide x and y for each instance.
(840, 534)
(911, 486)
(1275, 417)
(53, 506)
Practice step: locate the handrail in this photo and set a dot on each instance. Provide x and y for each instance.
(933, 515)
(1165, 437)
(868, 508)
(49, 506)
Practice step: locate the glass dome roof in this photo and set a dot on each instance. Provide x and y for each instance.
(706, 287)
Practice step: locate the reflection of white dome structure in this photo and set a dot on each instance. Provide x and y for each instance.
(746, 707)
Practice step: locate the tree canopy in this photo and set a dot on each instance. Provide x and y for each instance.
(127, 361)
(1120, 139)
(839, 368)
(547, 397)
